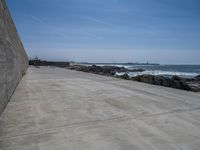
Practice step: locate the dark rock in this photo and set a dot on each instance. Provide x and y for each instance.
(167, 82)
(137, 70)
(82, 68)
(160, 80)
(190, 79)
(95, 69)
(197, 78)
(175, 82)
(103, 70)
(194, 83)
(125, 76)
(180, 83)
(176, 78)
(194, 86)
(143, 78)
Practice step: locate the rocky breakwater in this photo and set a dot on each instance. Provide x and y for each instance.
(173, 82)
(103, 70)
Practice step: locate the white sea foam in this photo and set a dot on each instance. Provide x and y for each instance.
(163, 73)
(101, 65)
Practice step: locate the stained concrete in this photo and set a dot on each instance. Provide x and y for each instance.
(59, 109)
(13, 58)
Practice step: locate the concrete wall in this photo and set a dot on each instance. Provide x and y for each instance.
(13, 58)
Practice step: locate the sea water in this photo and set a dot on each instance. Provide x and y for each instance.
(186, 71)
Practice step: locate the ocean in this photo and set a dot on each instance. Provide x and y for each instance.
(186, 71)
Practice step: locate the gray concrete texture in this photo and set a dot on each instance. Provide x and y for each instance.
(13, 58)
(60, 109)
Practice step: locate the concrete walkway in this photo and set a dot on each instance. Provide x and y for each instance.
(58, 109)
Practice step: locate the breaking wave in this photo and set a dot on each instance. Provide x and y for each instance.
(162, 73)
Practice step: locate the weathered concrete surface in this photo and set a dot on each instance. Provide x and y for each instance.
(13, 59)
(58, 109)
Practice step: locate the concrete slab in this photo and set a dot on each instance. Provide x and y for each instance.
(54, 108)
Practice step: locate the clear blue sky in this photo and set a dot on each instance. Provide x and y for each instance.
(162, 31)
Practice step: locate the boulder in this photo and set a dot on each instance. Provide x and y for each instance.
(95, 69)
(174, 82)
(82, 68)
(177, 78)
(197, 78)
(194, 86)
(124, 76)
(137, 70)
(143, 78)
(180, 83)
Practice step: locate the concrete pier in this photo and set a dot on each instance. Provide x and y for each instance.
(60, 109)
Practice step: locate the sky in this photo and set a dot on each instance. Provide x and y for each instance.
(157, 31)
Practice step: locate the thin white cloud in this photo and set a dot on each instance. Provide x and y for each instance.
(41, 21)
(91, 19)
(50, 28)
(62, 30)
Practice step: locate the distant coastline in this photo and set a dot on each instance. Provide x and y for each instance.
(128, 63)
